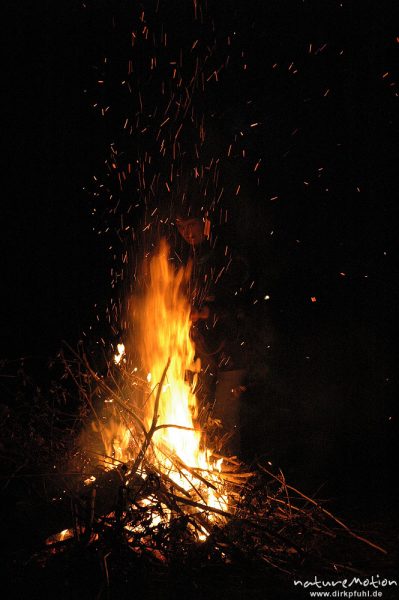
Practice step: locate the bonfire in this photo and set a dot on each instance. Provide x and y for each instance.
(149, 476)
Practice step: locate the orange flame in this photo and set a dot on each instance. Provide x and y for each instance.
(164, 339)
(116, 440)
(164, 321)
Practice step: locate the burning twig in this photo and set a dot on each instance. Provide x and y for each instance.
(150, 433)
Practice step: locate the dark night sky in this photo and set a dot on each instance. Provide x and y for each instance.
(55, 143)
(51, 256)
(338, 113)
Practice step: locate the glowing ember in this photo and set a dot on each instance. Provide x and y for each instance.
(121, 353)
(59, 537)
(90, 480)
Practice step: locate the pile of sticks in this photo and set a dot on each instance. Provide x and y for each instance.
(257, 515)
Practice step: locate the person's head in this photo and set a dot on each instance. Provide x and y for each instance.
(190, 205)
(189, 212)
(191, 229)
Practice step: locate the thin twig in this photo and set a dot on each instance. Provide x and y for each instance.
(330, 515)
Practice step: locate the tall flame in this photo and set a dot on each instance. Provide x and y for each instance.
(164, 321)
(167, 356)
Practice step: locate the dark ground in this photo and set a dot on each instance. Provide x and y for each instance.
(324, 406)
